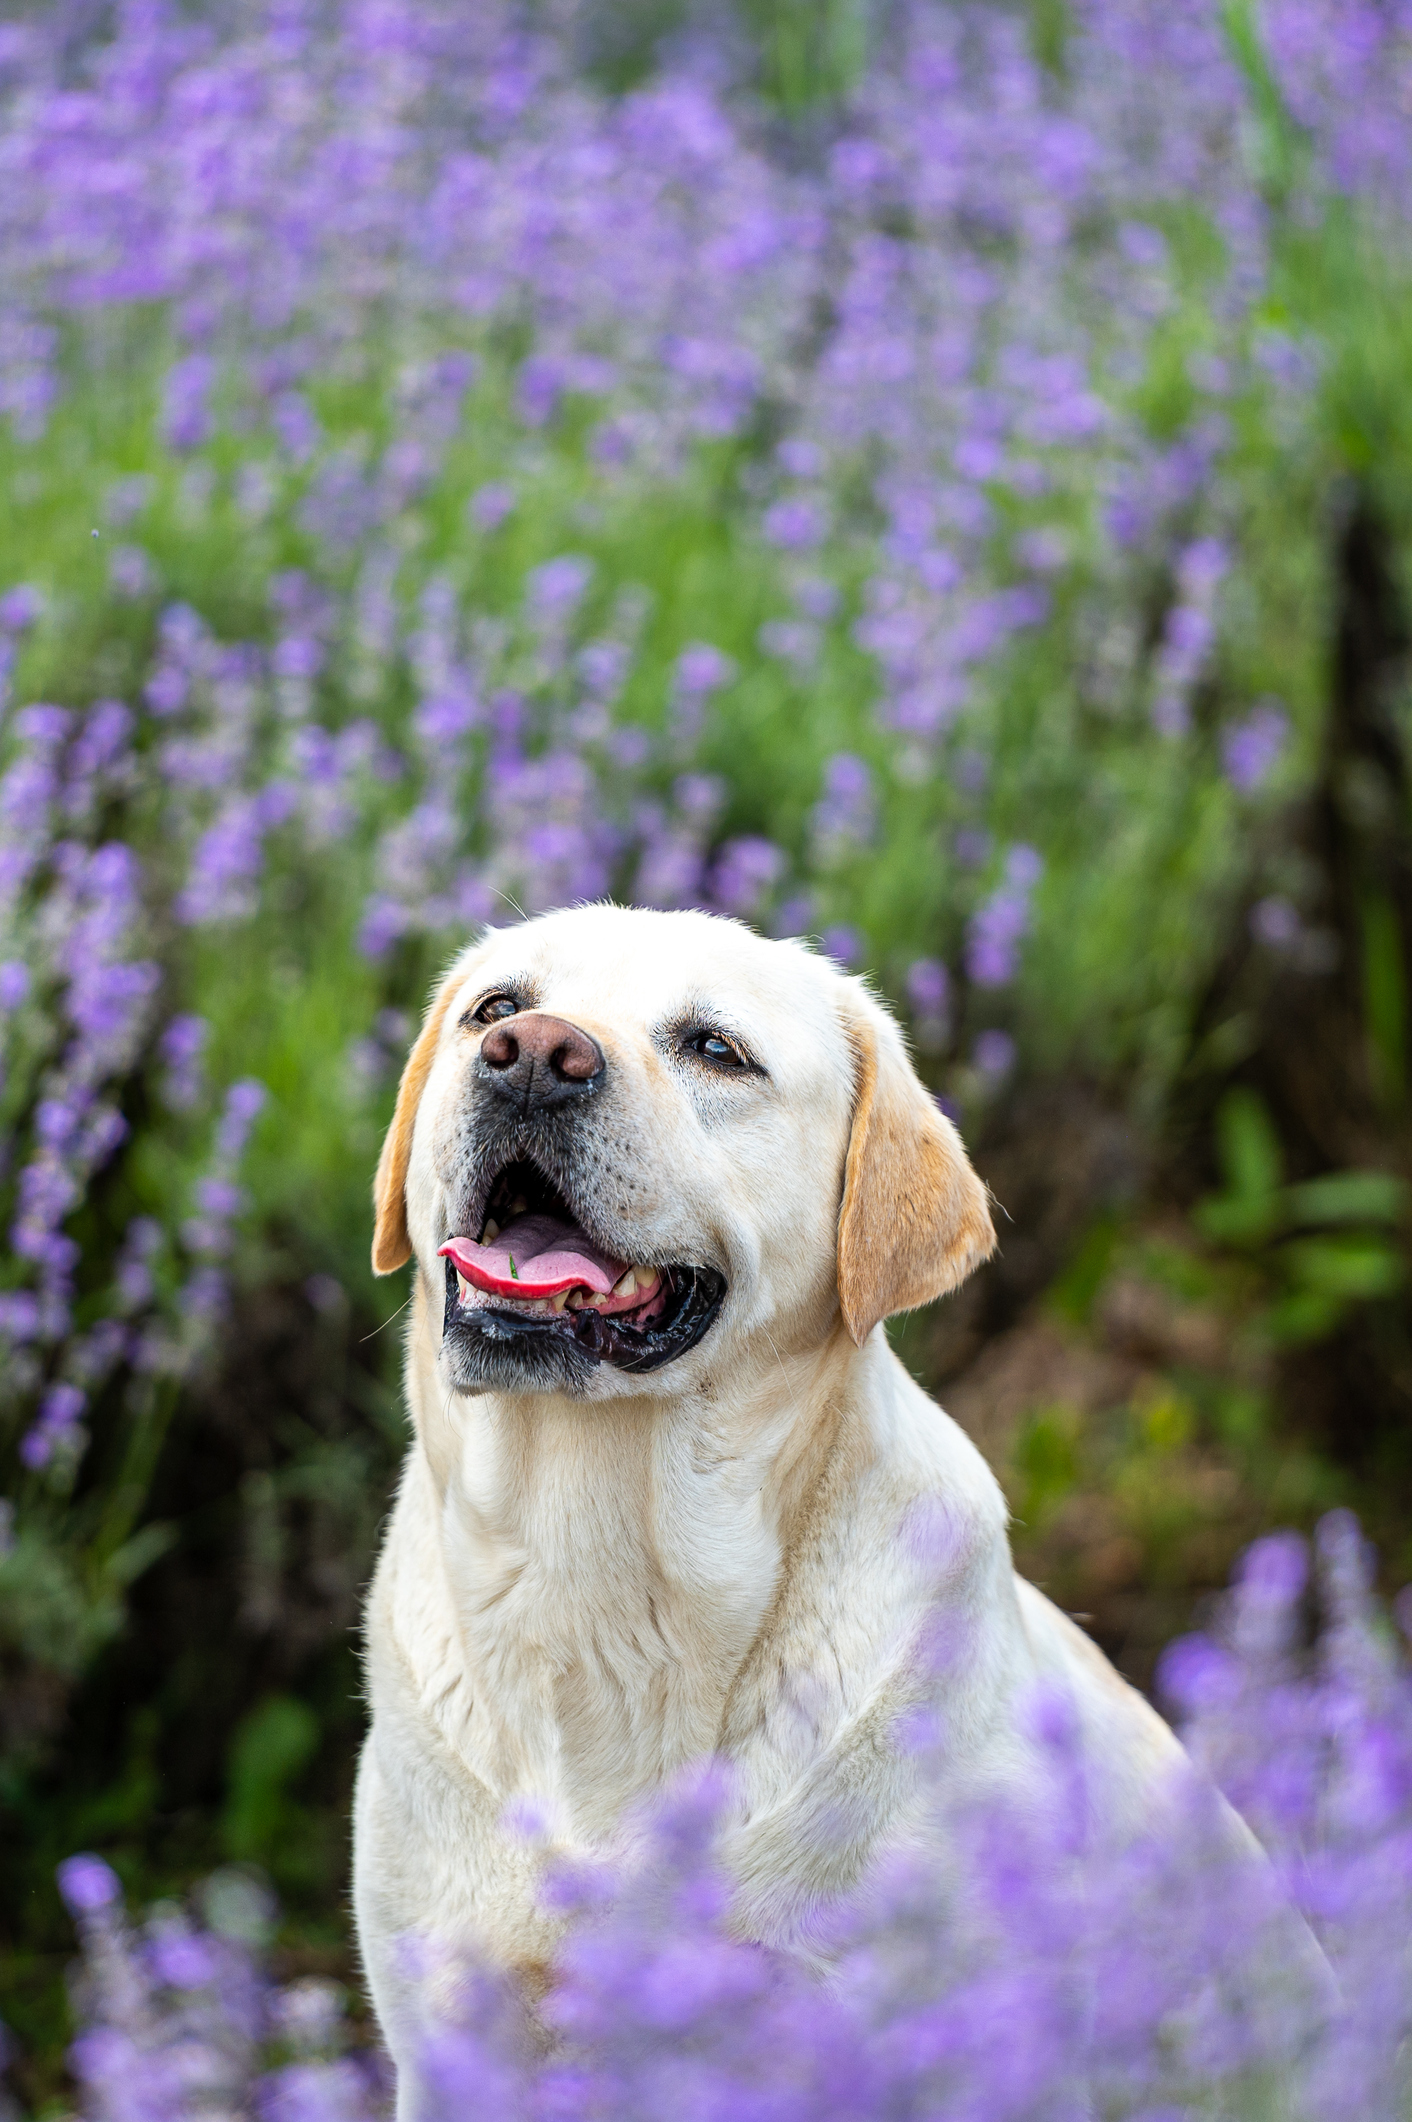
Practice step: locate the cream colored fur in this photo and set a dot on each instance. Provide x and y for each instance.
(735, 1555)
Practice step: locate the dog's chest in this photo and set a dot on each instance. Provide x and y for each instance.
(604, 1624)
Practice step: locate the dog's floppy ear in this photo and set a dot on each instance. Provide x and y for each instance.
(391, 1243)
(915, 1219)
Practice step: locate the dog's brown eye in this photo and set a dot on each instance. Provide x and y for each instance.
(494, 1008)
(716, 1048)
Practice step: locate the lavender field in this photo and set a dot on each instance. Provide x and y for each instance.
(937, 479)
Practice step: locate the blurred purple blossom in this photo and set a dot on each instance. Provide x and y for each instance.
(744, 871)
(793, 641)
(490, 504)
(797, 523)
(994, 1054)
(1046, 1967)
(702, 670)
(929, 993)
(88, 1884)
(1188, 635)
(1275, 922)
(130, 571)
(1251, 750)
(558, 585)
(186, 414)
(1000, 924)
(845, 817)
(844, 944)
(57, 1428)
(20, 607)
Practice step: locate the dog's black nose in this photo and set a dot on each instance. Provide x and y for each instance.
(537, 1061)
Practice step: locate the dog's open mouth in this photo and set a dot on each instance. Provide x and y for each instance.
(534, 1270)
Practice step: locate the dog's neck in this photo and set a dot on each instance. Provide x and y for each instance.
(610, 1565)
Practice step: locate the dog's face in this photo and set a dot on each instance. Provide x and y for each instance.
(628, 1142)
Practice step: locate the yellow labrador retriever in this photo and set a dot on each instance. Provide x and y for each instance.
(669, 1492)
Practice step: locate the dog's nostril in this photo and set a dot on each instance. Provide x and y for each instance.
(576, 1058)
(500, 1048)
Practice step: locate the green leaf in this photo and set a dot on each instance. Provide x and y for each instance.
(1250, 1149)
(269, 1750)
(1348, 1197)
(1344, 1269)
(139, 1553)
(1228, 1219)
(1302, 1318)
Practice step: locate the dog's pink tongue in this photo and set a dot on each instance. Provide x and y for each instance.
(535, 1256)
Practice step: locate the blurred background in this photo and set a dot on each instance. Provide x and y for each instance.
(935, 478)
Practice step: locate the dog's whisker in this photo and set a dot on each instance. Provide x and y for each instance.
(386, 1322)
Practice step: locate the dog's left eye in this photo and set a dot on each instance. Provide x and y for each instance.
(715, 1048)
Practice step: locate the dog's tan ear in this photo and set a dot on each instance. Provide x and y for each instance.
(915, 1219)
(391, 1242)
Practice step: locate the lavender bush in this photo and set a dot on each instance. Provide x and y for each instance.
(1037, 1973)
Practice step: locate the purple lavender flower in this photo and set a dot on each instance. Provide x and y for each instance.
(844, 944)
(558, 585)
(1251, 750)
(20, 607)
(994, 1054)
(798, 523)
(182, 1047)
(186, 417)
(57, 1429)
(845, 816)
(929, 992)
(245, 1100)
(88, 1884)
(1188, 635)
(999, 926)
(130, 571)
(744, 871)
(702, 670)
(490, 504)
(1275, 922)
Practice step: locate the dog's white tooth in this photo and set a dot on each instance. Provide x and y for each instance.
(577, 1298)
(646, 1276)
(626, 1284)
(491, 1231)
(557, 1303)
(518, 1205)
(462, 1285)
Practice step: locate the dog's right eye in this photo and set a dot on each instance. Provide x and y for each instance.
(494, 1008)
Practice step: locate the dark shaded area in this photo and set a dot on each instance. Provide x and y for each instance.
(1328, 1027)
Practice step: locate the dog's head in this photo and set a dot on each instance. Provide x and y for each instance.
(626, 1140)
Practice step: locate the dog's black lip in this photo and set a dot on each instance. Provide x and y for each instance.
(696, 1296)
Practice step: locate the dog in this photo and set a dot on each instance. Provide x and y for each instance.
(669, 1492)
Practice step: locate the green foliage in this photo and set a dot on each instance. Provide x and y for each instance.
(261, 1823)
(1355, 1255)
